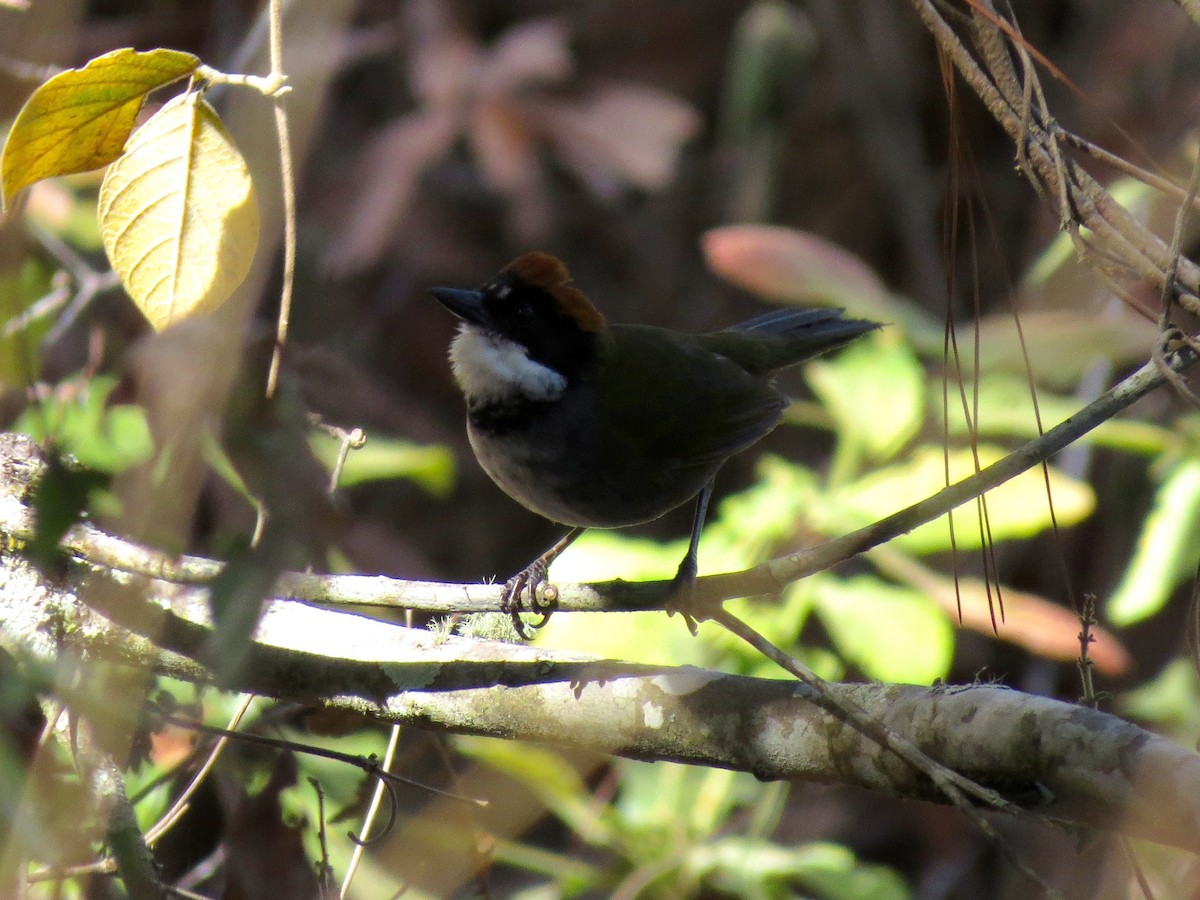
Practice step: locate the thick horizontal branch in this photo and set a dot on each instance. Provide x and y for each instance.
(1051, 759)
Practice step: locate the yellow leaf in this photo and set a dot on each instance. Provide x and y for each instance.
(1016, 509)
(178, 214)
(80, 118)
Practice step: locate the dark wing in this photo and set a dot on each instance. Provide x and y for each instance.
(683, 405)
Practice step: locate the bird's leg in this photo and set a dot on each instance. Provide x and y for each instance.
(680, 598)
(532, 577)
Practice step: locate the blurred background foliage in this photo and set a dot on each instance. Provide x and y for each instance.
(692, 162)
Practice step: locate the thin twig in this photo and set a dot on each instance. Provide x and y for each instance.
(288, 178)
(360, 846)
(368, 765)
(180, 806)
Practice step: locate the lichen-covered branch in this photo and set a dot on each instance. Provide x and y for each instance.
(1050, 759)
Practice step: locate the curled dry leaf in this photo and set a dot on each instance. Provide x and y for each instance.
(1039, 625)
(390, 166)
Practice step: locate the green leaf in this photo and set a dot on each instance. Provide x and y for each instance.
(1058, 346)
(753, 522)
(549, 777)
(1007, 412)
(875, 392)
(1166, 550)
(178, 214)
(639, 637)
(1016, 509)
(745, 867)
(80, 118)
(78, 420)
(891, 633)
(429, 465)
(1171, 700)
(20, 333)
(772, 52)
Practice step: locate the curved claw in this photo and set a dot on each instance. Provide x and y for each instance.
(542, 595)
(530, 579)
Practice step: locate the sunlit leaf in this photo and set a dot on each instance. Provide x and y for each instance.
(1016, 509)
(80, 118)
(752, 523)
(1059, 344)
(178, 214)
(1006, 411)
(742, 867)
(382, 457)
(1171, 700)
(554, 780)
(78, 419)
(20, 332)
(875, 392)
(891, 633)
(667, 798)
(642, 637)
(1166, 549)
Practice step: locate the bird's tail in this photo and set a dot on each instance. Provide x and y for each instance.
(800, 334)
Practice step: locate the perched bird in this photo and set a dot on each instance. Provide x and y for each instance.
(599, 426)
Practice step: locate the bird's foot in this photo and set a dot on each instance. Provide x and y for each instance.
(682, 599)
(542, 594)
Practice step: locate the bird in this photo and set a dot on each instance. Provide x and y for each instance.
(592, 425)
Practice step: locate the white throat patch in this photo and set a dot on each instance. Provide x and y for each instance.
(490, 367)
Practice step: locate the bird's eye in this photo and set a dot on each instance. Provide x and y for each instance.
(524, 312)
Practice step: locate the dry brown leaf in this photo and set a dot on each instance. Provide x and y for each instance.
(528, 53)
(386, 177)
(788, 265)
(622, 134)
(1041, 626)
(503, 145)
(443, 60)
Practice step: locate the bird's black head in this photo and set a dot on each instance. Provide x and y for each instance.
(533, 304)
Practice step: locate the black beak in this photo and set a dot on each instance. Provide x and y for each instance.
(467, 305)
